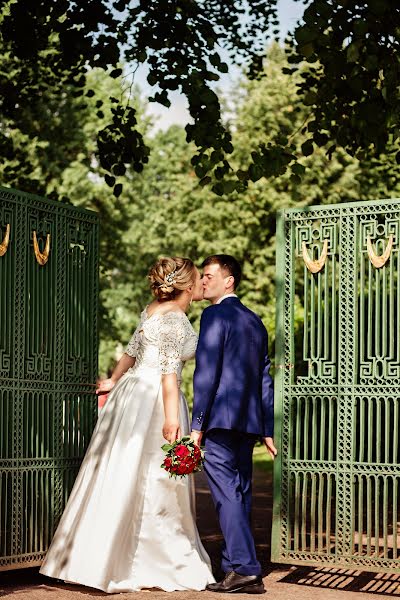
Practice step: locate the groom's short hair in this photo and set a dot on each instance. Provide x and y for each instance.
(227, 263)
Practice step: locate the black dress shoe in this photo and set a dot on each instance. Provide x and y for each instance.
(234, 583)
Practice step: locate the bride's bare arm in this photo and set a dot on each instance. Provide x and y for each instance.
(124, 363)
(170, 392)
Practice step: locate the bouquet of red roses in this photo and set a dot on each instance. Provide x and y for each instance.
(182, 457)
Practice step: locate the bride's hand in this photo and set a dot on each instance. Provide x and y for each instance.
(105, 386)
(171, 431)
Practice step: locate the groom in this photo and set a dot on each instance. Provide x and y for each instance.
(233, 407)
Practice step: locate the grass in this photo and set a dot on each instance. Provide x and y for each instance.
(261, 459)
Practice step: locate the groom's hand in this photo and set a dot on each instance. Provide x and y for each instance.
(196, 436)
(171, 431)
(270, 446)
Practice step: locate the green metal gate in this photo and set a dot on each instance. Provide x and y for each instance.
(337, 497)
(48, 365)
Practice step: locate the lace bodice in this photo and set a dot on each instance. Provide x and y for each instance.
(163, 341)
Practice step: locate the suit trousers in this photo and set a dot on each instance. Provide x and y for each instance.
(228, 466)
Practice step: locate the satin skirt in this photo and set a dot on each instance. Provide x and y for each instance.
(128, 526)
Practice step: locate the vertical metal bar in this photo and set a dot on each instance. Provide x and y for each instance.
(383, 317)
(395, 438)
(319, 316)
(331, 418)
(312, 510)
(313, 354)
(321, 477)
(392, 322)
(369, 515)
(282, 509)
(306, 436)
(361, 426)
(371, 430)
(322, 428)
(370, 297)
(306, 349)
(377, 486)
(296, 512)
(378, 432)
(394, 522)
(314, 428)
(360, 514)
(362, 306)
(328, 512)
(327, 298)
(387, 429)
(377, 321)
(304, 500)
(385, 509)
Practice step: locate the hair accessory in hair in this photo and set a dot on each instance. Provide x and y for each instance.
(170, 278)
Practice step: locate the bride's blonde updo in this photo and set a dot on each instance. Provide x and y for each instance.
(170, 276)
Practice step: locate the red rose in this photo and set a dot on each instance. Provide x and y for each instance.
(182, 451)
(197, 452)
(167, 462)
(181, 469)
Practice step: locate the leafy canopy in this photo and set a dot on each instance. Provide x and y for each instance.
(351, 86)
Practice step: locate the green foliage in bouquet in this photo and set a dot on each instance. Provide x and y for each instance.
(182, 457)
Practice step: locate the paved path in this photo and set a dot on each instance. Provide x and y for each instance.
(282, 583)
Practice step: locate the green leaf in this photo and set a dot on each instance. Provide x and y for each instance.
(166, 447)
(307, 50)
(115, 73)
(305, 35)
(298, 169)
(110, 181)
(295, 179)
(307, 148)
(229, 186)
(119, 169)
(310, 98)
(205, 181)
(151, 78)
(215, 60)
(352, 52)
(117, 190)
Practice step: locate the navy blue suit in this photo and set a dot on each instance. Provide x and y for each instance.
(233, 405)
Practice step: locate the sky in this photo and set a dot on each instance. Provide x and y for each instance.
(289, 13)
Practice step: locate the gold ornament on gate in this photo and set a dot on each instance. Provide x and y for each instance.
(5, 242)
(315, 266)
(379, 261)
(41, 257)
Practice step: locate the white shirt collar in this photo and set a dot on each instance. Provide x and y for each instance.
(226, 296)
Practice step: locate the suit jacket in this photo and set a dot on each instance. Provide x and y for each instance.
(232, 385)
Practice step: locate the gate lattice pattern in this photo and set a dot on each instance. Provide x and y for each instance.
(48, 366)
(337, 499)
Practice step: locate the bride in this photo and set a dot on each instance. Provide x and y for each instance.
(128, 526)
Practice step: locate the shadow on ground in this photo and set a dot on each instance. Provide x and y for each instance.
(345, 580)
(283, 582)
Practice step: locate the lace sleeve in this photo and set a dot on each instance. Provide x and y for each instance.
(172, 338)
(133, 346)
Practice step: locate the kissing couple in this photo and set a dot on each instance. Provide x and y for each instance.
(127, 525)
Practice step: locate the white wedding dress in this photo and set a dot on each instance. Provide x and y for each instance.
(127, 525)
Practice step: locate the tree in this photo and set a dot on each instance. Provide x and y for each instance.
(51, 45)
(351, 85)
